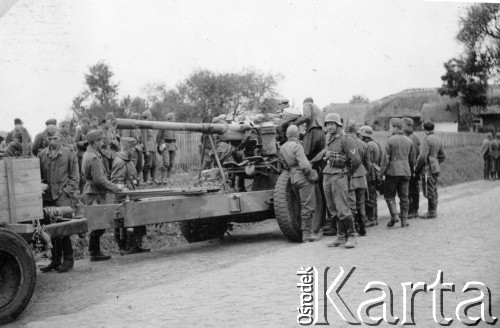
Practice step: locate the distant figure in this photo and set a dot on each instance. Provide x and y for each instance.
(432, 154)
(396, 167)
(41, 141)
(66, 138)
(149, 151)
(167, 148)
(18, 146)
(137, 135)
(18, 123)
(495, 157)
(485, 149)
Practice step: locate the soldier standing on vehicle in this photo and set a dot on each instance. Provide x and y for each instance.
(60, 177)
(396, 167)
(167, 148)
(358, 184)
(413, 188)
(96, 187)
(432, 154)
(303, 178)
(485, 148)
(374, 152)
(123, 173)
(149, 151)
(495, 157)
(342, 159)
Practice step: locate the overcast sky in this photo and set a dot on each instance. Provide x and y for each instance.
(328, 50)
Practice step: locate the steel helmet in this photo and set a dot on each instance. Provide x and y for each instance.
(335, 118)
(366, 131)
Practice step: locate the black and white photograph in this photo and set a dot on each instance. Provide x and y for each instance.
(226, 163)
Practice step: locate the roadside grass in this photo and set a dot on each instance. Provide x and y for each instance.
(462, 164)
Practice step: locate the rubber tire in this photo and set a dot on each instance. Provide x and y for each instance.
(16, 260)
(287, 208)
(201, 230)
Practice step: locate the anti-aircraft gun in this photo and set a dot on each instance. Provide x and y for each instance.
(206, 212)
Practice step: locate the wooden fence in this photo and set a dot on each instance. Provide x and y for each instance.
(189, 143)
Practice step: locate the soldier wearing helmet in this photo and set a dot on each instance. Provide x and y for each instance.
(374, 151)
(342, 159)
(396, 167)
(303, 178)
(167, 148)
(431, 156)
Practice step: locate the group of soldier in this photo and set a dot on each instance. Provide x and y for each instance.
(349, 167)
(491, 155)
(96, 160)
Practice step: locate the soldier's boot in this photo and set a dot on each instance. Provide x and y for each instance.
(341, 235)
(351, 233)
(404, 215)
(56, 253)
(432, 210)
(362, 221)
(66, 265)
(306, 229)
(328, 228)
(391, 203)
(370, 217)
(315, 236)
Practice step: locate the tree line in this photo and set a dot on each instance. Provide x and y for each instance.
(198, 98)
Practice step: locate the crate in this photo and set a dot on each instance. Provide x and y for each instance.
(20, 190)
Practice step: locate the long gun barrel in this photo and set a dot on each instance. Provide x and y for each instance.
(124, 123)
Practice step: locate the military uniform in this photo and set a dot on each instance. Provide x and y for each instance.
(413, 186)
(358, 186)
(149, 150)
(494, 151)
(374, 153)
(138, 158)
(431, 155)
(485, 148)
(95, 189)
(342, 158)
(396, 166)
(166, 143)
(59, 170)
(302, 179)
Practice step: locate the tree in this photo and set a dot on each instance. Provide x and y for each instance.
(466, 78)
(99, 95)
(359, 99)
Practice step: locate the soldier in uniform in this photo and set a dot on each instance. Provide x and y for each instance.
(358, 184)
(149, 150)
(96, 187)
(66, 139)
(495, 157)
(396, 167)
(167, 148)
(374, 152)
(60, 177)
(342, 159)
(41, 138)
(137, 135)
(123, 173)
(110, 142)
(18, 123)
(413, 189)
(432, 154)
(303, 178)
(81, 144)
(485, 148)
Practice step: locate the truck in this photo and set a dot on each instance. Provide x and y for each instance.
(203, 211)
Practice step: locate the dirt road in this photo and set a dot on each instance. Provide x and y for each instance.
(250, 278)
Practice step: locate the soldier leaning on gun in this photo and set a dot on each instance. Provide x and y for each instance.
(431, 155)
(60, 176)
(303, 178)
(123, 173)
(342, 159)
(396, 167)
(96, 187)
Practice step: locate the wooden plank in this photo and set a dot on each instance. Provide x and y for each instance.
(23, 187)
(25, 201)
(22, 175)
(23, 163)
(11, 191)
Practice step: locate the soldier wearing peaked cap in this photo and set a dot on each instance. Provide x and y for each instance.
(41, 138)
(432, 154)
(96, 187)
(413, 187)
(396, 167)
(303, 178)
(123, 173)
